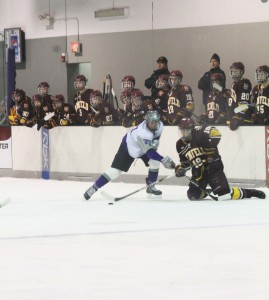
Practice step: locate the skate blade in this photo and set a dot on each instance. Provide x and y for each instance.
(152, 196)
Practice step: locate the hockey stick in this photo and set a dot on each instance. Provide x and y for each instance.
(197, 185)
(217, 86)
(115, 97)
(115, 199)
(243, 107)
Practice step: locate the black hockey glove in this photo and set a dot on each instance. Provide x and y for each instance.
(235, 122)
(180, 171)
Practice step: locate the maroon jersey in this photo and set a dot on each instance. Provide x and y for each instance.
(65, 115)
(25, 109)
(161, 99)
(108, 114)
(136, 116)
(179, 104)
(261, 100)
(216, 108)
(47, 99)
(240, 94)
(82, 106)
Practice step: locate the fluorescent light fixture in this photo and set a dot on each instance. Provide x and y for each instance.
(111, 13)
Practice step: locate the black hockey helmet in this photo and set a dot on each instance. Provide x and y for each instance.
(185, 126)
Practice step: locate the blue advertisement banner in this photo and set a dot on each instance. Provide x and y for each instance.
(45, 153)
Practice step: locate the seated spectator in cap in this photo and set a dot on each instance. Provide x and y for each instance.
(204, 82)
(162, 68)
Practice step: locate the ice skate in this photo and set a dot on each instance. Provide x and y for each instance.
(257, 194)
(151, 189)
(89, 192)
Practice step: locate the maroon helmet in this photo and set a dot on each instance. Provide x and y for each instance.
(80, 82)
(162, 81)
(18, 95)
(43, 88)
(96, 98)
(217, 78)
(175, 78)
(237, 70)
(128, 82)
(37, 101)
(58, 101)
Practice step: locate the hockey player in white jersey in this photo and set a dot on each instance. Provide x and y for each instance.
(141, 142)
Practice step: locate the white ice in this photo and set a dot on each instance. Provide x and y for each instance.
(54, 246)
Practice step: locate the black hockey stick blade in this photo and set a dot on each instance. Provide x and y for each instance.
(115, 199)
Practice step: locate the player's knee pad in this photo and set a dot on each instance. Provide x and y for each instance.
(112, 174)
(236, 193)
(154, 164)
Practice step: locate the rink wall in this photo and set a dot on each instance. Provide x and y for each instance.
(81, 153)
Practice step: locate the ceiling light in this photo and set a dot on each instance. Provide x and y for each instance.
(111, 13)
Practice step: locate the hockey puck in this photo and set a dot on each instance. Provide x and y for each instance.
(110, 203)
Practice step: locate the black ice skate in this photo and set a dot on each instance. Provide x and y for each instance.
(151, 189)
(89, 192)
(257, 194)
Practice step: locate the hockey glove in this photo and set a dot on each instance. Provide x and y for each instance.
(63, 122)
(179, 171)
(235, 122)
(168, 162)
(22, 121)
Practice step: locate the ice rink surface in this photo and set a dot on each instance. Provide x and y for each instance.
(54, 246)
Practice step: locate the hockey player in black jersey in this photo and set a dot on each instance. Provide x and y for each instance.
(198, 151)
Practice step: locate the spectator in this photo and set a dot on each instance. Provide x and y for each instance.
(204, 82)
(162, 68)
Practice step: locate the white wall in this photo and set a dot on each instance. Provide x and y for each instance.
(165, 14)
(88, 150)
